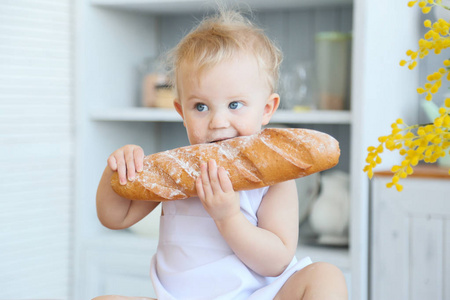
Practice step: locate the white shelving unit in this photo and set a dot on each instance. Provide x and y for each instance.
(114, 36)
(189, 6)
(140, 114)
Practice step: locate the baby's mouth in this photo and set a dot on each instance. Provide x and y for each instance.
(220, 140)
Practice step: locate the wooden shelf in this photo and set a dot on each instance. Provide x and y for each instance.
(135, 114)
(422, 171)
(186, 6)
(312, 117)
(142, 114)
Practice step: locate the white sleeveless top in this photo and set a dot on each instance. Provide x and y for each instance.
(193, 261)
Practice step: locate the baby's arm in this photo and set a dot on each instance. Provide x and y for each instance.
(114, 211)
(268, 248)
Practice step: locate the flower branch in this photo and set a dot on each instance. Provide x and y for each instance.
(420, 142)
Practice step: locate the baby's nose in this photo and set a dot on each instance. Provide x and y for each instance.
(219, 120)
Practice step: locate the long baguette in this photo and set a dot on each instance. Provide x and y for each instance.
(263, 159)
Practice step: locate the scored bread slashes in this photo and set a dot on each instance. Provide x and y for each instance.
(271, 156)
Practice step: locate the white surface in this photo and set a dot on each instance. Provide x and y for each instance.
(120, 262)
(382, 91)
(36, 149)
(170, 115)
(184, 6)
(410, 239)
(338, 256)
(117, 263)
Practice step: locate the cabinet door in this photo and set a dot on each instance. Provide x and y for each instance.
(117, 273)
(410, 240)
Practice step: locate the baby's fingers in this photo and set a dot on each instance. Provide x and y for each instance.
(224, 179)
(213, 176)
(126, 161)
(202, 183)
(112, 163)
(131, 168)
(139, 159)
(199, 187)
(206, 183)
(117, 163)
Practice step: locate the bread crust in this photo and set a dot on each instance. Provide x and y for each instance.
(271, 156)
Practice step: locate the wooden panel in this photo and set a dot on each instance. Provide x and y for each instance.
(326, 19)
(294, 30)
(346, 19)
(414, 264)
(422, 171)
(36, 149)
(426, 246)
(189, 6)
(299, 46)
(118, 263)
(446, 264)
(390, 248)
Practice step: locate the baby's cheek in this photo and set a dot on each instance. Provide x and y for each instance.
(195, 137)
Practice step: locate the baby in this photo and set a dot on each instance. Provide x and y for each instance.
(222, 244)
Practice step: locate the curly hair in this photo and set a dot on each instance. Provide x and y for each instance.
(221, 37)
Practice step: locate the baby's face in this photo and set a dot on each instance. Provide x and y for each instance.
(229, 100)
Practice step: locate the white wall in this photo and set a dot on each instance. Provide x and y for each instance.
(36, 142)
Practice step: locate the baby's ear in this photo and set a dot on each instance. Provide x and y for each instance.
(178, 108)
(270, 108)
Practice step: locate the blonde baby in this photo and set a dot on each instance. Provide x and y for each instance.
(222, 244)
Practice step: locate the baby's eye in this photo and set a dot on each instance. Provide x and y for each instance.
(201, 107)
(235, 105)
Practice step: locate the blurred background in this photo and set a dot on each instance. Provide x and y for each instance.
(80, 78)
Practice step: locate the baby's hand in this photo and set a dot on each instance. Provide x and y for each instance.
(127, 161)
(215, 190)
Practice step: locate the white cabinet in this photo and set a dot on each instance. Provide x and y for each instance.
(183, 6)
(411, 237)
(118, 264)
(114, 36)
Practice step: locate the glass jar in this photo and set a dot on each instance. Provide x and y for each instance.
(333, 70)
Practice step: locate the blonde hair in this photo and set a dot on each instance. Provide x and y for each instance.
(221, 37)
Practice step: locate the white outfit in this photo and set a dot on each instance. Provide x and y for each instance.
(193, 261)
